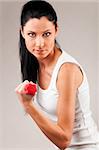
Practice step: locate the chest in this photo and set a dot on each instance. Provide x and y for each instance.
(47, 99)
(44, 78)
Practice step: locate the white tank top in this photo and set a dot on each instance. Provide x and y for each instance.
(85, 130)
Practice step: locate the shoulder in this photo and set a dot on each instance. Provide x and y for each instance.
(69, 67)
(70, 73)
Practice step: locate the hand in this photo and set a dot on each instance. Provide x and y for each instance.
(25, 92)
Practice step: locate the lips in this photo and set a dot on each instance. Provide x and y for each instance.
(39, 50)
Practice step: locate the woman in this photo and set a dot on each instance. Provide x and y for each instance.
(61, 106)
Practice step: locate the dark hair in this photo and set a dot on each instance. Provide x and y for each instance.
(33, 9)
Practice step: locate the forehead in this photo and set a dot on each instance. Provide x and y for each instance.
(35, 24)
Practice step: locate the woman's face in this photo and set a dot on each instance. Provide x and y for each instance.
(39, 35)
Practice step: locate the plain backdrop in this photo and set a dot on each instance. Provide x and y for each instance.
(79, 36)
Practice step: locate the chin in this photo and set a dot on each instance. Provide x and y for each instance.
(39, 56)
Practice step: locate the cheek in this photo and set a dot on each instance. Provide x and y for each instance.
(29, 44)
(51, 42)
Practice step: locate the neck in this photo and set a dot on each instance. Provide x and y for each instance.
(48, 61)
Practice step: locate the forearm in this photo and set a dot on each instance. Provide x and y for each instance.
(53, 131)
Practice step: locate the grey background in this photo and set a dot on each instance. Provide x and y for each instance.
(79, 35)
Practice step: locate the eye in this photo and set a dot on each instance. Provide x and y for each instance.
(32, 34)
(46, 34)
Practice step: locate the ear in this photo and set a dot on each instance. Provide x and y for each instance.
(22, 32)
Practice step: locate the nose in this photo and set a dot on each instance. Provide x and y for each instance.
(39, 42)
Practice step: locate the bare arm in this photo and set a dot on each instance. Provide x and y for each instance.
(60, 134)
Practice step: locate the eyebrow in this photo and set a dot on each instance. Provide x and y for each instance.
(43, 31)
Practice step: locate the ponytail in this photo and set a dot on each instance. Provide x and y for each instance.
(29, 63)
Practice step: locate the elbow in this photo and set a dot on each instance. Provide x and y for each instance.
(64, 145)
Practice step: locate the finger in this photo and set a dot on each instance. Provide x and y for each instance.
(21, 86)
(18, 87)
